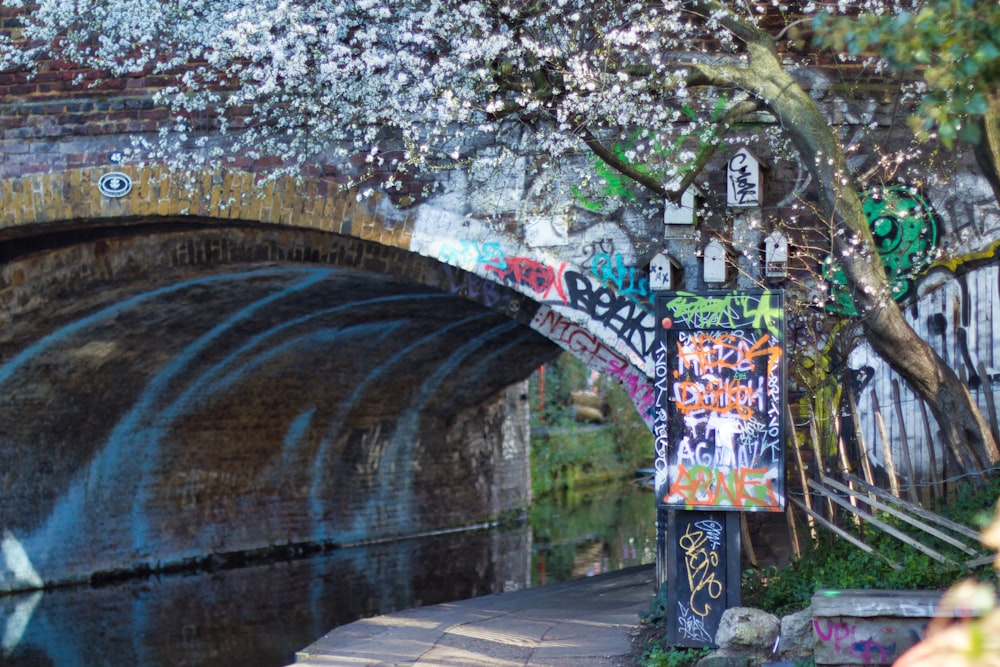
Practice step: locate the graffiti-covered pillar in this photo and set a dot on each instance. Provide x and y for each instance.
(719, 433)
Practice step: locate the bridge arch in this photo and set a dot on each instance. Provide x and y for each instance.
(175, 387)
(600, 312)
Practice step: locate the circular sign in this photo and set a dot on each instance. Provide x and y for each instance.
(115, 184)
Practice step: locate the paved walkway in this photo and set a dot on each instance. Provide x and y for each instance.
(582, 623)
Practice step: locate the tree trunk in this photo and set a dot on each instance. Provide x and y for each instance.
(962, 425)
(987, 151)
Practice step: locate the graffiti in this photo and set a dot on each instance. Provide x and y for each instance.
(524, 272)
(618, 187)
(841, 637)
(661, 434)
(904, 228)
(623, 316)
(626, 280)
(698, 574)
(539, 278)
(626, 315)
(638, 387)
(471, 286)
(743, 180)
(835, 632)
(691, 626)
(865, 648)
(724, 311)
(700, 561)
(702, 353)
(596, 355)
(722, 390)
(709, 486)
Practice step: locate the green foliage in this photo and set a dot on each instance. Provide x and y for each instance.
(620, 188)
(656, 654)
(565, 453)
(954, 45)
(657, 613)
(834, 563)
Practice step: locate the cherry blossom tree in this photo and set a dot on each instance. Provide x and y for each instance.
(653, 89)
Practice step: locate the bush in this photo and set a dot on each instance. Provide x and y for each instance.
(837, 564)
(566, 453)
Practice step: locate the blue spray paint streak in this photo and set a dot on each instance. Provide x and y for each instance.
(67, 512)
(482, 362)
(211, 382)
(129, 430)
(252, 343)
(60, 335)
(424, 395)
(401, 449)
(296, 431)
(336, 424)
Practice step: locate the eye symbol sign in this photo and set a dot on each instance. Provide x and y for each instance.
(115, 184)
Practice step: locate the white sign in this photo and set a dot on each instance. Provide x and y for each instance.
(664, 271)
(775, 254)
(682, 213)
(743, 187)
(114, 184)
(715, 262)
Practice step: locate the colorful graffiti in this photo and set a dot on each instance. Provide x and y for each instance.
(735, 310)
(621, 306)
(471, 286)
(596, 355)
(721, 393)
(628, 281)
(905, 231)
(711, 486)
(841, 638)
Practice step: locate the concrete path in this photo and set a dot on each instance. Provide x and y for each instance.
(582, 623)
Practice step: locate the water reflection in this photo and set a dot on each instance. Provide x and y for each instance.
(259, 616)
(584, 533)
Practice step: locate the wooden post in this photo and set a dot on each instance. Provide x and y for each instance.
(793, 530)
(890, 468)
(818, 453)
(991, 408)
(904, 444)
(747, 544)
(866, 464)
(802, 472)
(931, 455)
(845, 464)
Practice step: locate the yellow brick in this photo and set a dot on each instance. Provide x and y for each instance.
(241, 181)
(267, 203)
(311, 204)
(7, 202)
(406, 232)
(287, 201)
(143, 193)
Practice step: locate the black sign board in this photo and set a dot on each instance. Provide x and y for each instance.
(720, 397)
(704, 574)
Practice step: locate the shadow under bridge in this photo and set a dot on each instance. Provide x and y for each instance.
(187, 392)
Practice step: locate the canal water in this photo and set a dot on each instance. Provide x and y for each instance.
(258, 616)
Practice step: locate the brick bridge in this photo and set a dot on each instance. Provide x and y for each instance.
(216, 363)
(213, 362)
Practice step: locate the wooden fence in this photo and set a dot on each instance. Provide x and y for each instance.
(833, 484)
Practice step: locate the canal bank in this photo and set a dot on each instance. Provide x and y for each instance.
(584, 623)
